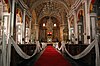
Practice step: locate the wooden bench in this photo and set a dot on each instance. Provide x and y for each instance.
(27, 48)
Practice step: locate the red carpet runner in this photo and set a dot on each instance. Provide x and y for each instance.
(51, 57)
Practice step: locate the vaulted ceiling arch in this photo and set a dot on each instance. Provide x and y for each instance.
(55, 16)
(60, 7)
(38, 2)
(57, 10)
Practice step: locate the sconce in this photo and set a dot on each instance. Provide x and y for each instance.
(43, 24)
(55, 25)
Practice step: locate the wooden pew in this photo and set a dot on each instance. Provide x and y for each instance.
(75, 49)
(27, 48)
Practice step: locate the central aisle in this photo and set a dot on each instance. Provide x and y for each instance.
(51, 57)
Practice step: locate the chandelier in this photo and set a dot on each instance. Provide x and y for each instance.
(48, 7)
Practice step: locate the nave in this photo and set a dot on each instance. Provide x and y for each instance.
(28, 27)
(47, 55)
(50, 57)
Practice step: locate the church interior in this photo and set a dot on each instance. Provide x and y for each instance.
(49, 32)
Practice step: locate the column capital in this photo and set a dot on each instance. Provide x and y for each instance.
(74, 13)
(24, 10)
(30, 19)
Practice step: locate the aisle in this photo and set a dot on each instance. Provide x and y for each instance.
(51, 57)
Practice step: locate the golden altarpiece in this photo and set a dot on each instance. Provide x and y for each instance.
(49, 30)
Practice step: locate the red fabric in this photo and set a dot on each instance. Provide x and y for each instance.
(51, 57)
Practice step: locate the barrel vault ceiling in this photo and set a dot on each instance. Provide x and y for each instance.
(50, 7)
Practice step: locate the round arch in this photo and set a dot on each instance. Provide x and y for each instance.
(52, 16)
(47, 17)
(48, 28)
(79, 13)
(59, 1)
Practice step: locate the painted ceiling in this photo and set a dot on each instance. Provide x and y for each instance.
(49, 7)
(31, 2)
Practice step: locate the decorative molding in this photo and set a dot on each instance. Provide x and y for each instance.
(25, 7)
(75, 6)
(23, 4)
(40, 1)
(93, 14)
(29, 14)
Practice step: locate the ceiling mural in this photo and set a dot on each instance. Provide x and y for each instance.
(51, 8)
(69, 3)
(31, 3)
(54, 5)
(48, 7)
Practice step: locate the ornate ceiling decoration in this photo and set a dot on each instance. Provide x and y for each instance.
(68, 3)
(49, 7)
(35, 3)
(44, 7)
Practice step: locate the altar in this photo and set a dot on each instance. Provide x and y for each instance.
(49, 31)
(54, 44)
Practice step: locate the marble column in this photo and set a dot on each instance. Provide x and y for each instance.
(62, 27)
(69, 33)
(23, 27)
(37, 31)
(30, 29)
(12, 17)
(93, 25)
(61, 32)
(1, 18)
(87, 41)
(75, 24)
